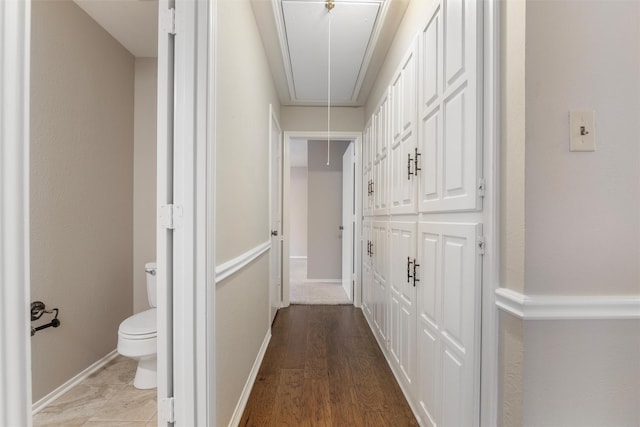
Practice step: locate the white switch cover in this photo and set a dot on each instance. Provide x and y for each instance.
(582, 131)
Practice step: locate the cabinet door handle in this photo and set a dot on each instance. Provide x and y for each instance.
(409, 263)
(371, 250)
(415, 273)
(409, 173)
(417, 168)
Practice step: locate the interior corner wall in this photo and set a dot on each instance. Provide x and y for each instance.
(144, 176)
(82, 112)
(314, 119)
(244, 90)
(324, 248)
(582, 210)
(298, 206)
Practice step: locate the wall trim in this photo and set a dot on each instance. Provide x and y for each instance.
(69, 384)
(298, 257)
(246, 391)
(579, 307)
(231, 267)
(331, 281)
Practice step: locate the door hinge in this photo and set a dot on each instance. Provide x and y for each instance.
(482, 187)
(169, 21)
(482, 245)
(170, 216)
(167, 410)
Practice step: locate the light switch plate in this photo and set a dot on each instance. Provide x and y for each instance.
(582, 131)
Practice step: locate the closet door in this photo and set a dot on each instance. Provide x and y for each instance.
(402, 298)
(367, 278)
(450, 137)
(381, 194)
(367, 197)
(448, 316)
(380, 265)
(403, 130)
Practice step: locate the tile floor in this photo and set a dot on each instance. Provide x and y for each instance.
(304, 292)
(106, 398)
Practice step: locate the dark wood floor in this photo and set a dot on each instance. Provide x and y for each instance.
(323, 367)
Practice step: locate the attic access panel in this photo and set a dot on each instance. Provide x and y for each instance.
(306, 25)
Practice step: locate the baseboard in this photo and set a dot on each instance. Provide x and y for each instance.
(68, 385)
(332, 281)
(246, 391)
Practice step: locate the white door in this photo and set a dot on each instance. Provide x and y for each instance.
(348, 218)
(404, 134)
(403, 304)
(380, 266)
(448, 303)
(367, 279)
(275, 177)
(449, 141)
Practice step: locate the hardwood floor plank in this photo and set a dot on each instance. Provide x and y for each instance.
(323, 367)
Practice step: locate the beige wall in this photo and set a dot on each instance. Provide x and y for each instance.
(82, 106)
(244, 91)
(314, 119)
(144, 177)
(298, 207)
(324, 247)
(582, 209)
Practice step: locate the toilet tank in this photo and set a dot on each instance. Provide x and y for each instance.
(150, 270)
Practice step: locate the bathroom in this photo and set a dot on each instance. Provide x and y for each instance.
(92, 203)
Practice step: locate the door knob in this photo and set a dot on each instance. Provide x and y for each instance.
(274, 232)
(341, 228)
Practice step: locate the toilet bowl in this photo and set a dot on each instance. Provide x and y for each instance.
(137, 336)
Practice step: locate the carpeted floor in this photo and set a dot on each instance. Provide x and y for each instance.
(305, 292)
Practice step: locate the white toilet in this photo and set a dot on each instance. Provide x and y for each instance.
(137, 336)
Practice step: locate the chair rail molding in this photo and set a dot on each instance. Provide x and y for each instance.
(564, 307)
(231, 267)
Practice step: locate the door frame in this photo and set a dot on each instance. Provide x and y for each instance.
(15, 340)
(274, 123)
(192, 239)
(356, 137)
(350, 224)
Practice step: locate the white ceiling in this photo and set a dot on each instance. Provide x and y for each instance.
(294, 34)
(134, 23)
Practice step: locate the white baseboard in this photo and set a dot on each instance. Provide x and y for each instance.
(46, 400)
(332, 281)
(246, 391)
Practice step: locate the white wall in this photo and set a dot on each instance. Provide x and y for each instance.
(82, 132)
(144, 176)
(582, 209)
(324, 249)
(244, 91)
(298, 208)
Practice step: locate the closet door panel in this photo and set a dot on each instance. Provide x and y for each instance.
(450, 133)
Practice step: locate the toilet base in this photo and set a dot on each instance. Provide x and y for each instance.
(146, 374)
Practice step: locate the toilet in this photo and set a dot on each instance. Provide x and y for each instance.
(137, 336)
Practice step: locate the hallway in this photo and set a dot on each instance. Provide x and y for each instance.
(323, 367)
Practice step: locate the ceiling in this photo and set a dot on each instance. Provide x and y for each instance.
(134, 23)
(295, 35)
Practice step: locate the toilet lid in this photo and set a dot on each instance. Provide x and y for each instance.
(143, 323)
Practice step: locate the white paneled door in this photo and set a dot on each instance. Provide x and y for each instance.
(275, 255)
(403, 141)
(348, 218)
(403, 298)
(448, 309)
(449, 137)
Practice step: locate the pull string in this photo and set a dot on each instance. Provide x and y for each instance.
(329, 95)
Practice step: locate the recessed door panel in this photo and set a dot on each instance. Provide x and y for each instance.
(429, 377)
(448, 307)
(450, 138)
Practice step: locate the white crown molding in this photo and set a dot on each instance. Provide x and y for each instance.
(229, 268)
(580, 307)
